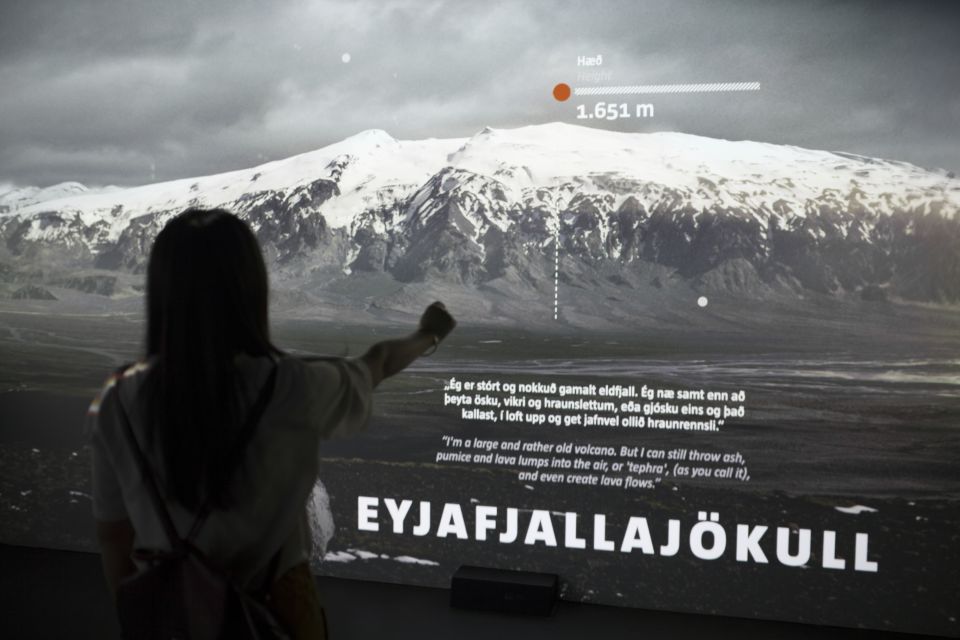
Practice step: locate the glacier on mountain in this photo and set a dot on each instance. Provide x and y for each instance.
(746, 217)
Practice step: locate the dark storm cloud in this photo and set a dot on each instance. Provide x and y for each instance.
(110, 91)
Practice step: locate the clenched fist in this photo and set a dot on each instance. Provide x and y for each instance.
(437, 320)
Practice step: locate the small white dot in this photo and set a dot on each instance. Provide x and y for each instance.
(345, 57)
(702, 301)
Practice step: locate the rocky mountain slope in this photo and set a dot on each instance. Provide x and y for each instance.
(629, 212)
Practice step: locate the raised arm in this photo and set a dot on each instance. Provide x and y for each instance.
(393, 356)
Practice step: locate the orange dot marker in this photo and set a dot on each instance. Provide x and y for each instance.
(561, 92)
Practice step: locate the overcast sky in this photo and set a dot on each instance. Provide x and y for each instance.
(123, 92)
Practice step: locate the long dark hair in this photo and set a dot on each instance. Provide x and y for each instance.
(206, 304)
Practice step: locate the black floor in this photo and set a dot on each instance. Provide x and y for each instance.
(48, 594)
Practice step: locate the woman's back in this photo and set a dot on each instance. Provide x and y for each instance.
(278, 470)
(310, 402)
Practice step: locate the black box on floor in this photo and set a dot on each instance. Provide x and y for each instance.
(502, 590)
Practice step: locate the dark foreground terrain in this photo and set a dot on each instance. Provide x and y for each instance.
(843, 411)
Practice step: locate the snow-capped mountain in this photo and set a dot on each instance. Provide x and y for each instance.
(13, 198)
(749, 218)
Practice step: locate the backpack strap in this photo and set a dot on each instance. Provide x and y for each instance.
(268, 580)
(253, 418)
(176, 543)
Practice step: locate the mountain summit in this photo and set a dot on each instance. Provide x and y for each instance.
(629, 210)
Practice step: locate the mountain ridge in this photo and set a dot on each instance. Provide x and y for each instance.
(750, 219)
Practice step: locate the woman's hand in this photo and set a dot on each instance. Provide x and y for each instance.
(437, 320)
(116, 545)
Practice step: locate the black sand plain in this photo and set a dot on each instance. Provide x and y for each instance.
(847, 404)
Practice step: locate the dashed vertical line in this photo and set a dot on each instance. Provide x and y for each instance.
(556, 273)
